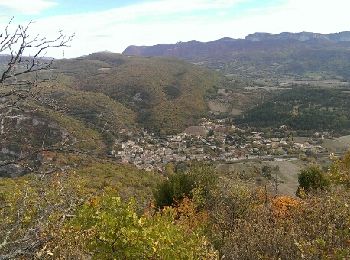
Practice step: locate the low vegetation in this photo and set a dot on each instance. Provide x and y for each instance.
(104, 210)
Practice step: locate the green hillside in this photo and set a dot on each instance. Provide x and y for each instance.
(165, 94)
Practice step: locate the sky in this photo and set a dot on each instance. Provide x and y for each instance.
(112, 25)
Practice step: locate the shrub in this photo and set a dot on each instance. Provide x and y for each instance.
(340, 171)
(313, 178)
(109, 228)
(196, 182)
(314, 228)
(174, 189)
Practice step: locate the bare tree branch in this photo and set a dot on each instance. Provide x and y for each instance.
(18, 41)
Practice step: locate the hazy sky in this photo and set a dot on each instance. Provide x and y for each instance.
(113, 25)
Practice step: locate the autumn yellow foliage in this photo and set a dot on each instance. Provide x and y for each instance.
(282, 205)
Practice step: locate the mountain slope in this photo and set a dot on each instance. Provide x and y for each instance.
(165, 94)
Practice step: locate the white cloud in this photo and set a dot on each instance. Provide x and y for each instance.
(117, 28)
(28, 7)
(165, 7)
(300, 15)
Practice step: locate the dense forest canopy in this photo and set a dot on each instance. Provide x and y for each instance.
(303, 108)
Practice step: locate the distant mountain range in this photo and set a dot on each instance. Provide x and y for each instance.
(302, 36)
(264, 55)
(181, 49)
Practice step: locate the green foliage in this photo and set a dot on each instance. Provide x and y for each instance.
(33, 208)
(229, 203)
(195, 183)
(267, 171)
(340, 171)
(80, 215)
(30, 206)
(172, 190)
(126, 179)
(115, 231)
(313, 178)
(315, 228)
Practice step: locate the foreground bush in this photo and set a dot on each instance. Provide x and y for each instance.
(340, 171)
(34, 208)
(107, 228)
(175, 188)
(316, 229)
(81, 216)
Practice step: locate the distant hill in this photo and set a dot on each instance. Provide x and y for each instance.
(265, 55)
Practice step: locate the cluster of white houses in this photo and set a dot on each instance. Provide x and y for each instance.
(210, 141)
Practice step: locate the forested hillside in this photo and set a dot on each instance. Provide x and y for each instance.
(165, 95)
(300, 108)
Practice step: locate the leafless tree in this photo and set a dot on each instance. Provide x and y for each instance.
(22, 61)
(17, 42)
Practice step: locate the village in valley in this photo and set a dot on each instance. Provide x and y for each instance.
(216, 141)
